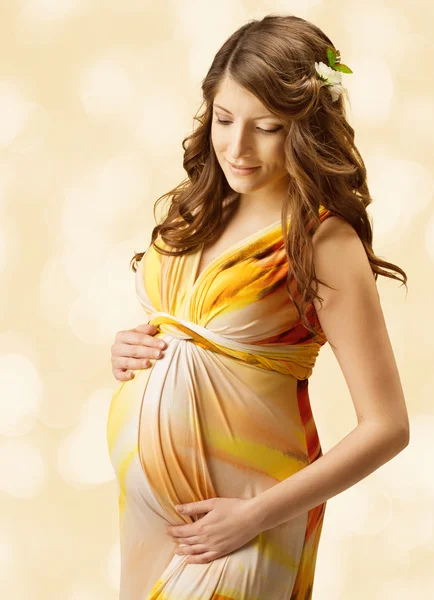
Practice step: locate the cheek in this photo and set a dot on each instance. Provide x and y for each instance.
(278, 155)
(217, 140)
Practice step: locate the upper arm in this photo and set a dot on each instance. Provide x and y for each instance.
(352, 320)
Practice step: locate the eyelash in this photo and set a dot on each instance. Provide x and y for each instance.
(267, 131)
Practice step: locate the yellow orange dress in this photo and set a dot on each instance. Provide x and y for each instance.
(224, 413)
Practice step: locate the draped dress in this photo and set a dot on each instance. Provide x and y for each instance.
(224, 413)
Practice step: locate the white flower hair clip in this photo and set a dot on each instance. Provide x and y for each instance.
(331, 74)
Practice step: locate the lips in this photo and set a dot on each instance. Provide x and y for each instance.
(242, 171)
(241, 166)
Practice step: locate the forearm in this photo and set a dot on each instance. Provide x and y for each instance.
(356, 456)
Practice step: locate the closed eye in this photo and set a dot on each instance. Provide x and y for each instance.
(226, 123)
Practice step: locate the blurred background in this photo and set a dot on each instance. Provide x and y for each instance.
(95, 99)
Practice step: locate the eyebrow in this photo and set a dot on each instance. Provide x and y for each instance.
(268, 116)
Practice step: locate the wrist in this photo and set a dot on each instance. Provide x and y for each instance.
(259, 513)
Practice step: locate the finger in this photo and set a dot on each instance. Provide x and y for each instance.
(193, 539)
(193, 508)
(131, 364)
(194, 549)
(178, 531)
(135, 351)
(128, 367)
(123, 375)
(202, 558)
(142, 328)
(146, 328)
(125, 362)
(137, 338)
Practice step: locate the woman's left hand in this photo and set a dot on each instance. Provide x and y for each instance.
(227, 525)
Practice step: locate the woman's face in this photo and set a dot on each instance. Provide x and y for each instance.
(249, 136)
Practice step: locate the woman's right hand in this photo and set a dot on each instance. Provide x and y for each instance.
(132, 350)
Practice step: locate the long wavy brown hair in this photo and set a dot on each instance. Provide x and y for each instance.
(274, 58)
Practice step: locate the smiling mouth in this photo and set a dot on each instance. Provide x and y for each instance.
(241, 166)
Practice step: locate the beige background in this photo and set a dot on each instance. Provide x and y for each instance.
(95, 99)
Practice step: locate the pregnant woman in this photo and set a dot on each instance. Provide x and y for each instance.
(265, 255)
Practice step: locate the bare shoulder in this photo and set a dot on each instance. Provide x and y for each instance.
(341, 260)
(334, 230)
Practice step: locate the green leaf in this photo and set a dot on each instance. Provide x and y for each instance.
(343, 68)
(331, 56)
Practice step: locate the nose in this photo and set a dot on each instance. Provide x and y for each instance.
(240, 144)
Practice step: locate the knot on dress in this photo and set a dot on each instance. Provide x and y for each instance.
(292, 359)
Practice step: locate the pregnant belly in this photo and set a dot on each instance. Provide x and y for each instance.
(207, 425)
